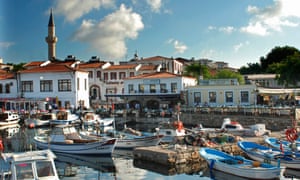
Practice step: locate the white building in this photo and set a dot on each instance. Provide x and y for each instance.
(61, 83)
(157, 89)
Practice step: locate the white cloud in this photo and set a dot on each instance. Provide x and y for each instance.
(6, 44)
(75, 9)
(228, 29)
(178, 46)
(108, 36)
(155, 5)
(237, 47)
(273, 18)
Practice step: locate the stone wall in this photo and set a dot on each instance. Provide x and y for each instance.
(273, 123)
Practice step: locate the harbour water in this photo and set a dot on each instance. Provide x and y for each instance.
(120, 165)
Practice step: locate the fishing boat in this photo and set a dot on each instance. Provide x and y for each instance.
(127, 138)
(29, 165)
(171, 132)
(64, 117)
(282, 144)
(66, 139)
(130, 139)
(271, 155)
(8, 118)
(39, 119)
(239, 166)
(235, 128)
(89, 118)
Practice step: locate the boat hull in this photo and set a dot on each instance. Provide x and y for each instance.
(265, 154)
(92, 148)
(243, 168)
(138, 142)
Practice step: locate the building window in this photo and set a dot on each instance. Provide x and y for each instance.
(197, 98)
(27, 86)
(152, 88)
(64, 85)
(130, 88)
(113, 75)
(90, 74)
(105, 76)
(229, 97)
(244, 97)
(7, 88)
(141, 88)
(174, 87)
(85, 84)
(46, 86)
(99, 74)
(121, 75)
(131, 74)
(1, 88)
(163, 88)
(212, 97)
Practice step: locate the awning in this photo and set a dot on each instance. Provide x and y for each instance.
(272, 91)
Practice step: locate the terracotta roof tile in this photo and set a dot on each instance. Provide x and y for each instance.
(50, 68)
(155, 75)
(120, 67)
(91, 65)
(148, 67)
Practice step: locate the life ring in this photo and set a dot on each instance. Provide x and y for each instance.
(291, 134)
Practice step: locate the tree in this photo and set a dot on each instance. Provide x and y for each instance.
(196, 69)
(227, 74)
(288, 71)
(277, 55)
(253, 68)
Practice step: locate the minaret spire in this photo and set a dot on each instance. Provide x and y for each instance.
(51, 39)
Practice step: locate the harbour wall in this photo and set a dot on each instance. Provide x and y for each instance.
(273, 123)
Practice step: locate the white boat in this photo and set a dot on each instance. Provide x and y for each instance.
(127, 140)
(274, 156)
(8, 118)
(89, 118)
(29, 165)
(9, 131)
(40, 119)
(235, 128)
(64, 117)
(66, 139)
(171, 132)
(239, 166)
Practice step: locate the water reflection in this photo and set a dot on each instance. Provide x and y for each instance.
(121, 165)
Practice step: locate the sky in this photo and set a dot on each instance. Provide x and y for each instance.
(237, 32)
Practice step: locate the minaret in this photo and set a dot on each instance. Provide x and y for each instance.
(51, 39)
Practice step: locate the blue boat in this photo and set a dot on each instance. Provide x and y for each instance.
(283, 144)
(270, 155)
(239, 166)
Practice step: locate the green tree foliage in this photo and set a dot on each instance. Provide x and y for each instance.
(277, 55)
(196, 69)
(228, 74)
(253, 68)
(288, 71)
